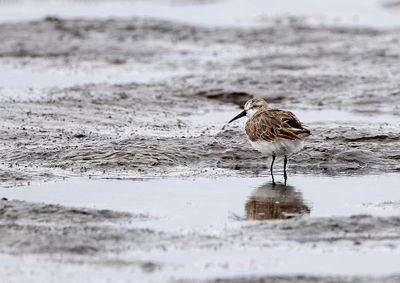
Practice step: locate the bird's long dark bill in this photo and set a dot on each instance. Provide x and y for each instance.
(242, 114)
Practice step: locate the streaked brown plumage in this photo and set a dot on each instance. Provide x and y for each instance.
(271, 124)
(273, 132)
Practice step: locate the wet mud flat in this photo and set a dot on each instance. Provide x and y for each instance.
(140, 98)
(118, 128)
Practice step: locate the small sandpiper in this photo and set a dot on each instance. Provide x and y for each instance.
(273, 132)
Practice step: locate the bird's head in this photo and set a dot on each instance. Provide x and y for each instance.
(251, 107)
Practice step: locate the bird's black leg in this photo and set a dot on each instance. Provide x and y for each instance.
(272, 170)
(284, 168)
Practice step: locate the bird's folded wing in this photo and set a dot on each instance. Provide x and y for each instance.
(291, 121)
(268, 125)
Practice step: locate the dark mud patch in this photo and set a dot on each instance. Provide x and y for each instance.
(12, 211)
(354, 230)
(238, 98)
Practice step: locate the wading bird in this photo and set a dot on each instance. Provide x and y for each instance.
(273, 132)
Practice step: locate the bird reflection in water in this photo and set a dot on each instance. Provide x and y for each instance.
(275, 202)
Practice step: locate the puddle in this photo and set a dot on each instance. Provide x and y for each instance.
(212, 204)
(211, 13)
(10, 77)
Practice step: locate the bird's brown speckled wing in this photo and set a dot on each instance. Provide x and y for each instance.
(270, 124)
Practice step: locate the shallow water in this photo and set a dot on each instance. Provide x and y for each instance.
(211, 204)
(64, 77)
(211, 13)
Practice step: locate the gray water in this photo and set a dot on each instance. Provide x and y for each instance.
(211, 13)
(212, 204)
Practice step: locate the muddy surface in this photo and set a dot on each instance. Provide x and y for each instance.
(138, 97)
(155, 128)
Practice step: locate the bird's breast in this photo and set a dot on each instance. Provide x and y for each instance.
(279, 147)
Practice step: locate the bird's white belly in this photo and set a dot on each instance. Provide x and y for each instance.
(279, 147)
